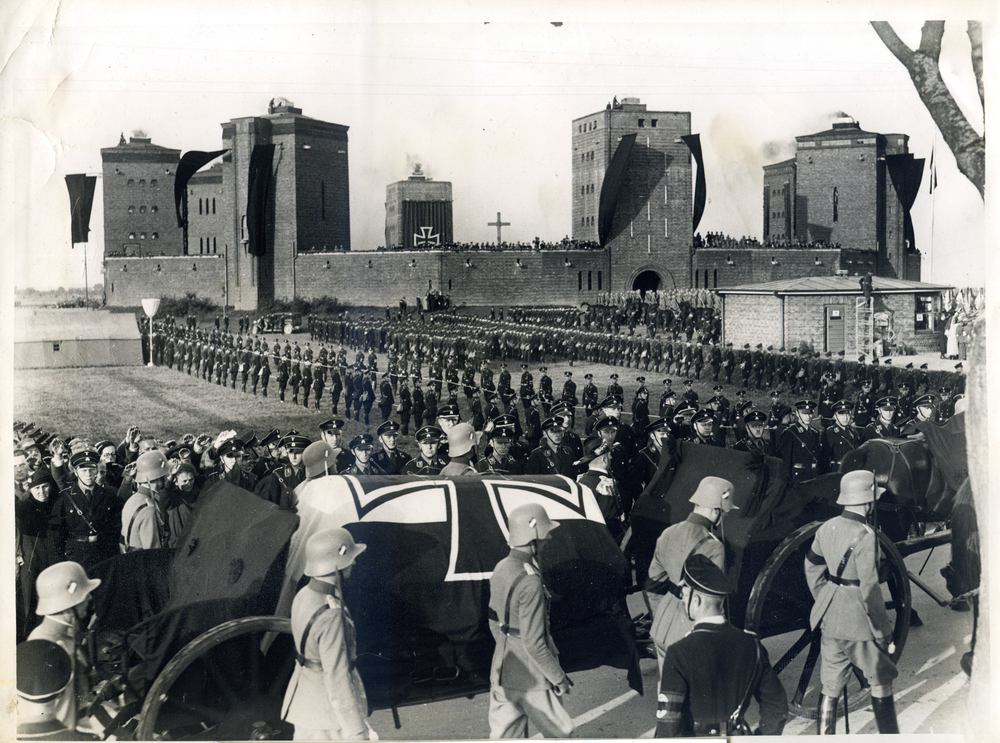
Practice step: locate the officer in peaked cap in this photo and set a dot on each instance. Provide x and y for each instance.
(799, 444)
(86, 516)
(569, 390)
(590, 395)
(703, 428)
(428, 461)
(841, 571)
(45, 685)
(924, 412)
(694, 698)
(712, 499)
(500, 461)
(552, 457)
(332, 432)
(266, 461)
(615, 389)
(389, 458)
(841, 437)
(278, 487)
(758, 438)
(884, 426)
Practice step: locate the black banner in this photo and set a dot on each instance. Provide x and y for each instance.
(426, 224)
(906, 173)
(693, 141)
(258, 190)
(190, 164)
(81, 199)
(611, 187)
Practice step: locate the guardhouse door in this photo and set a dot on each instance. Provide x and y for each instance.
(835, 329)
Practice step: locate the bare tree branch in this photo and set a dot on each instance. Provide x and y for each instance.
(965, 143)
(930, 39)
(976, 39)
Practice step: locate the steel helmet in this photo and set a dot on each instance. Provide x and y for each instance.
(331, 550)
(858, 488)
(319, 460)
(528, 523)
(44, 671)
(62, 586)
(151, 466)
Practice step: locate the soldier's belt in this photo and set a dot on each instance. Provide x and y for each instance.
(811, 466)
(505, 629)
(89, 539)
(840, 581)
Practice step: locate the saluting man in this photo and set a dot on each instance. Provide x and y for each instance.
(841, 569)
(526, 679)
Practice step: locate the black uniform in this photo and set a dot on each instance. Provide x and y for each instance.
(837, 441)
(391, 463)
(799, 449)
(705, 677)
(85, 528)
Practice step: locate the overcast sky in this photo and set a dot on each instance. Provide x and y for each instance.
(485, 105)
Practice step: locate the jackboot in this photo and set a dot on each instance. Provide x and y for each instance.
(826, 723)
(885, 715)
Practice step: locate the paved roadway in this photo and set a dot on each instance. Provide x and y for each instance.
(930, 692)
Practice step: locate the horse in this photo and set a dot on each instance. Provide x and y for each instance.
(917, 488)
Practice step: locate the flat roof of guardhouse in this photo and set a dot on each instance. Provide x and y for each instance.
(834, 285)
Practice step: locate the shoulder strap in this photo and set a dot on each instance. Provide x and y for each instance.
(128, 532)
(505, 627)
(847, 555)
(301, 654)
(736, 717)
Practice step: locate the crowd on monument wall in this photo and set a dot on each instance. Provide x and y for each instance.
(458, 247)
(719, 240)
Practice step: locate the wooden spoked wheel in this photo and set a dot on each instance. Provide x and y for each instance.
(226, 684)
(778, 612)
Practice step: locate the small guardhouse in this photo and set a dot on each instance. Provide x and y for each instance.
(835, 313)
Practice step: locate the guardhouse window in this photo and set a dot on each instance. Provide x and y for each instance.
(153, 183)
(131, 182)
(213, 205)
(590, 284)
(215, 245)
(199, 206)
(599, 280)
(55, 346)
(924, 312)
(835, 204)
(131, 208)
(579, 281)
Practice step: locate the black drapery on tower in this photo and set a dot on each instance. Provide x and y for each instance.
(258, 190)
(693, 141)
(81, 200)
(906, 173)
(190, 164)
(610, 188)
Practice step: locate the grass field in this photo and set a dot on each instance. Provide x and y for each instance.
(102, 402)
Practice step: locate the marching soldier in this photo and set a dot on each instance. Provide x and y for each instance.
(696, 696)
(389, 459)
(527, 389)
(843, 436)
(63, 602)
(841, 569)
(319, 382)
(325, 698)
(799, 446)
(712, 499)
(526, 680)
(405, 405)
(427, 462)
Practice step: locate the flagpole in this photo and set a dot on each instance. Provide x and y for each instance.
(86, 282)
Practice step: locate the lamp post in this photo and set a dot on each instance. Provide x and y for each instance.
(150, 307)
